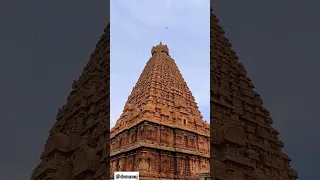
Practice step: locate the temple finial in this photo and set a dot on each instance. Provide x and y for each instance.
(160, 48)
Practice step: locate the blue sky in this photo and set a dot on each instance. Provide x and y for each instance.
(137, 25)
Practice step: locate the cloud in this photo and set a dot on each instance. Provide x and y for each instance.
(166, 13)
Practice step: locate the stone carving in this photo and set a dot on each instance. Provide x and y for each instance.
(244, 143)
(65, 172)
(170, 133)
(76, 148)
(232, 134)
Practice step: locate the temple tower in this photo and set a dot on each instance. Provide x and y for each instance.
(78, 145)
(244, 146)
(161, 132)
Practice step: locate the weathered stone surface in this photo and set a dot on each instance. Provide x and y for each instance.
(243, 143)
(78, 145)
(161, 132)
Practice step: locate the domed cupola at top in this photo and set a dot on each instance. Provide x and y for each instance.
(160, 49)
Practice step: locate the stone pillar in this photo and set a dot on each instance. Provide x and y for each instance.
(121, 164)
(171, 166)
(182, 167)
(178, 165)
(163, 166)
(138, 134)
(143, 165)
(111, 166)
(129, 163)
(192, 166)
(158, 140)
(136, 162)
(157, 163)
(197, 165)
(153, 166)
(202, 163)
(197, 142)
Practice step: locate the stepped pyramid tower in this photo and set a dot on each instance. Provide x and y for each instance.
(78, 144)
(161, 132)
(244, 146)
